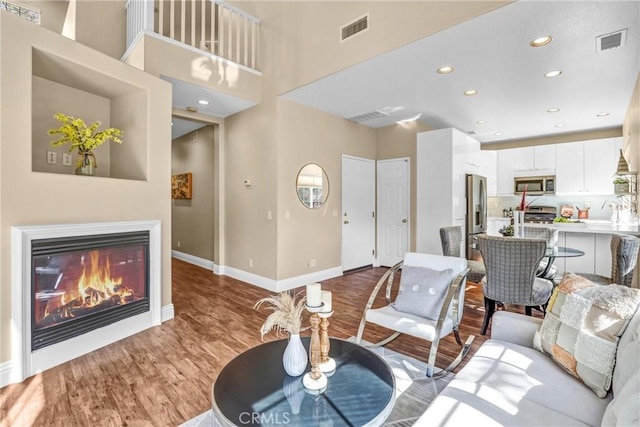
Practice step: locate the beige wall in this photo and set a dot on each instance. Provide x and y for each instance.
(30, 198)
(306, 136)
(192, 219)
(631, 130)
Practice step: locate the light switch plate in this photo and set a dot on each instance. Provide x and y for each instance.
(66, 159)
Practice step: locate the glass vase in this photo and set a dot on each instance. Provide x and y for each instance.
(86, 163)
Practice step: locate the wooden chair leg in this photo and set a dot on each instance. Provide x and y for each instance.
(527, 310)
(489, 308)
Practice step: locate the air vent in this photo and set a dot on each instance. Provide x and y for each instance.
(354, 27)
(472, 132)
(362, 118)
(611, 40)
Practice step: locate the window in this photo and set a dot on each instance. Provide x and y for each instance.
(29, 14)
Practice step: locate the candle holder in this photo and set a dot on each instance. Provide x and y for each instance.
(327, 364)
(315, 380)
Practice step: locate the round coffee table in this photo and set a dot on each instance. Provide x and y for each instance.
(253, 389)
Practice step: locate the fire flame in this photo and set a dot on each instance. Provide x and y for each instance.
(95, 286)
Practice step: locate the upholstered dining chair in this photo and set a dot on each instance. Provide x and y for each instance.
(511, 265)
(551, 236)
(451, 238)
(429, 304)
(624, 257)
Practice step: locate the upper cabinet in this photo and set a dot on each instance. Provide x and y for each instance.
(580, 167)
(587, 167)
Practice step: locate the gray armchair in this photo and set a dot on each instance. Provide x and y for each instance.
(450, 238)
(511, 265)
(624, 257)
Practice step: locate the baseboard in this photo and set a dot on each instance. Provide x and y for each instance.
(167, 313)
(5, 373)
(192, 259)
(285, 284)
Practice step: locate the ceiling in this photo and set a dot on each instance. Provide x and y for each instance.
(180, 127)
(492, 54)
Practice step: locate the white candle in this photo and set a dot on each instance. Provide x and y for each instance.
(326, 299)
(314, 295)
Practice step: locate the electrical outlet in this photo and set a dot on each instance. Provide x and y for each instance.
(178, 243)
(311, 263)
(269, 215)
(66, 159)
(287, 214)
(250, 263)
(52, 157)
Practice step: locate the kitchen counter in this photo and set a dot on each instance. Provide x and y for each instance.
(592, 226)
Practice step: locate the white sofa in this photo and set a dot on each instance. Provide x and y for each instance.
(507, 382)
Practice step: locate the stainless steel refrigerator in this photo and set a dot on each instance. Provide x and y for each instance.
(476, 217)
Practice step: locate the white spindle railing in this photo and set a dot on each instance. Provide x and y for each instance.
(210, 25)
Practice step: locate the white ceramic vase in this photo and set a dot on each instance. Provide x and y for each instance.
(518, 223)
(294, 358)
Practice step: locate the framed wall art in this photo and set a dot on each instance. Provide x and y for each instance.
(181, 186)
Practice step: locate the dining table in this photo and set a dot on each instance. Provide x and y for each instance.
(553, 252)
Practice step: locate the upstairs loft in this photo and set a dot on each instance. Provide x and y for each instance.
(199, 46)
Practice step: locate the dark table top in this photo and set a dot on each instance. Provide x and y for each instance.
(253, 389)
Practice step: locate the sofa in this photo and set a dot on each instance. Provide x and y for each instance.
(508, 382)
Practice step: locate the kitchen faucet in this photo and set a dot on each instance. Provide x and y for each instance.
(615, 206)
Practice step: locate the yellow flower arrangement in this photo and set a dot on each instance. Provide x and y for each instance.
(81, 137)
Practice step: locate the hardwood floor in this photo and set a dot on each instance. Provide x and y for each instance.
(163, 376)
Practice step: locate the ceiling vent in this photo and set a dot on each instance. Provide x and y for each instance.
(354, 27)
(611, 40)
(472, 132)
(363, 118)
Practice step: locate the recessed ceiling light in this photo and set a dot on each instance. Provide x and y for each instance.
(481, 122)
(445, 70)
(560, 125)
(604, 113)
(554, 73)
(203, 102)
(553, 110)
(541, 41)
(470, 92)
(499, 134)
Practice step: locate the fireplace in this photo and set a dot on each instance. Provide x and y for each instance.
(79, 287)
(86, 282)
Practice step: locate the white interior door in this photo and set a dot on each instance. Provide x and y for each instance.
(358, 207)
(393, 210)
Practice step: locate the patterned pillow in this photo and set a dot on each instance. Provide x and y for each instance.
(582, 327)
(422, 291)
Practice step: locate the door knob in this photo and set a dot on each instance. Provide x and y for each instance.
(346, 221)
(404, 220)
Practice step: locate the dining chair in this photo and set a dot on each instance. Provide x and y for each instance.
(511, 265)
(624, 257)
(451, 238)
(551, 236)
(429, 304)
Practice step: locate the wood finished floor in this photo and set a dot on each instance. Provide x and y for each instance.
(163, 376)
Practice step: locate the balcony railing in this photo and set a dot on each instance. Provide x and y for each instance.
(209, 25)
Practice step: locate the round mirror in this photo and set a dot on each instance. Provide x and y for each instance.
(312, 186)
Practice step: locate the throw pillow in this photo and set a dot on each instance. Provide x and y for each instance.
(582, 327)
(422, 291)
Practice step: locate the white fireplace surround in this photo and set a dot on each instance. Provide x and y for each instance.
(25, 362)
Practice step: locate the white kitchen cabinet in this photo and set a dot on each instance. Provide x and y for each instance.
(586, 243)
(489, 168)
(570, 168)
(505, 172)
(544, 156)
(523, 158)
(443, 158)
(600, 164)
(603, 255)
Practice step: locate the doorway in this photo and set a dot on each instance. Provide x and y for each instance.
(393, 210)
(358, 212)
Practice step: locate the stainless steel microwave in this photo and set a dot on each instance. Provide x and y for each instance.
(535, 185)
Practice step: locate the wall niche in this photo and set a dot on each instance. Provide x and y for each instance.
(63, 86)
